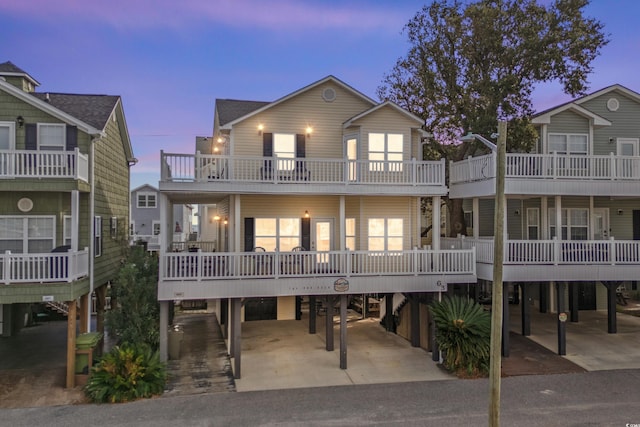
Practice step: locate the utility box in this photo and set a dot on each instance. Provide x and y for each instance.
(175, 337)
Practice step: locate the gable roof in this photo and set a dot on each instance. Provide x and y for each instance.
(144, 186)
(10, 69)
(230, 109)
(391, 104)
(94, 110)
(545, 115)
(268, 105)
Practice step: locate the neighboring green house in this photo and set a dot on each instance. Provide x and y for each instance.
(64, 186)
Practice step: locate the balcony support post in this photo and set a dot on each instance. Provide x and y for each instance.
(612, 327)
(236, 336)
(525, 307)
(164, 330)
(343, 331)
(71, 344)
(329, 323)
(388, 312)
(414, 306)
(312, 314)
(573, 301)
(562, 323)
(84, 314)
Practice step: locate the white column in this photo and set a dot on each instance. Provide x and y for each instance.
(435, 223)
(341, 225)
(75, 219)
(236, 243)
(544, 218)
(476, 217)
(558, 207)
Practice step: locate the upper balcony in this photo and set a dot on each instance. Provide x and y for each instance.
(43, 267)
(44, 165)
(241, 174)
(547, 174)
(555, 260)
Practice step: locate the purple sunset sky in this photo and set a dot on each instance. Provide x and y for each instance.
(170, 60)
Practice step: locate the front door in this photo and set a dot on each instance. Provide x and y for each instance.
(628, 147)
(600, 225)
(322, 241)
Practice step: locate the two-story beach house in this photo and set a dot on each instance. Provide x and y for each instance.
(144, 226)
(314, 195)
(64, 186)
(584, 177)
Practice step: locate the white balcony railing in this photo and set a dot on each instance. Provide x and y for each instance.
(554, 252)
(44, 164)
(245, 265)
(43, 268)
(203, 168)
(548, 166)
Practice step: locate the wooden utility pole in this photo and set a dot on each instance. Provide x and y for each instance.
(497, 292)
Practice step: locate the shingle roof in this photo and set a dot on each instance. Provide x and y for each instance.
(10, 67)
(94, 110)
(230, 109)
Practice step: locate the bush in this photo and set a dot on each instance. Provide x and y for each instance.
(135, 316)
(463, 334)
(128, 372)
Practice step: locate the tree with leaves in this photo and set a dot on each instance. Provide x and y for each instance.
(473, 63)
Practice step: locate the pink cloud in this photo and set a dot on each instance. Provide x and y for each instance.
(278, 15)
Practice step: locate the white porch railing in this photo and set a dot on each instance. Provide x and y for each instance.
(548, 166)
(44, 164)
(43, 268)
(554, 252)
(204, 167)
(245, 265)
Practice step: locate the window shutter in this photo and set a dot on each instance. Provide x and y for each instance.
(72, 138)
(249, 227)
(31, 136)
(306, 233)
(267, 144)
(300, 146)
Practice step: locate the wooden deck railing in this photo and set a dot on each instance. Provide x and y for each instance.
(553, 252)
(205, 265)
(43, 268)
(213, 168)
(44, 164)
(548, 166)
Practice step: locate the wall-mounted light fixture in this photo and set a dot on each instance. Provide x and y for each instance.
(309, 131)
(216, 218)
(611, 140)
(516, 212)
(620, 211)
(226, 220)
(260, 129)
(20, 121)
(306, 214)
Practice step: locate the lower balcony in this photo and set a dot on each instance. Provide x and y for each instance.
(556, 260)
(201, 275)
(43, 268)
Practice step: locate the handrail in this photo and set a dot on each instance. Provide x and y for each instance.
(44, 164)
(232, 265)
(548, 166)
(215, 168)
(43, 267)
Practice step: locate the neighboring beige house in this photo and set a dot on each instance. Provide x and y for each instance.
(64, 186)
(314, 195)
(583, 173)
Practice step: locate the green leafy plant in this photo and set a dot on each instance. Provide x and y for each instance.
(135, 316)
(463, 334)
(128, 372)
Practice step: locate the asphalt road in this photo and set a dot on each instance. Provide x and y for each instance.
(603, 398)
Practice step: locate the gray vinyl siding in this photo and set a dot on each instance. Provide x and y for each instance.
(568, 122)
(143, 217)
(625, 122)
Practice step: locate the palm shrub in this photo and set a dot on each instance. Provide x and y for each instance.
(128, 372)
(463, 333)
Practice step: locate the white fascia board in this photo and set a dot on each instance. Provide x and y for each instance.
(545, 119)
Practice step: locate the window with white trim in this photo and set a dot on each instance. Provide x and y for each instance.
(575, 223)
(156, 228)
(350, 233)
(113, 227)
(146, 200)
(280, 233)
(568, 143)
(284, 148)
(51, 136)
(30, 234)
(385, 234)
(97, 236)
(533, 223)
(7, 135)
(385, 152)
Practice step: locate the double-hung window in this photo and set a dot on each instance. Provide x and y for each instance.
(533, 223)
(97, 236)
(33, 234)
(280, 233)
(385, 152)
(575, 223)
(385, 234)
(575, 147)
(350, 233)
(51, 136)
(146, 200)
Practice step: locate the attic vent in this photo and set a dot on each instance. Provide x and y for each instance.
(613, 104)
(329, 94)
(25, 204)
